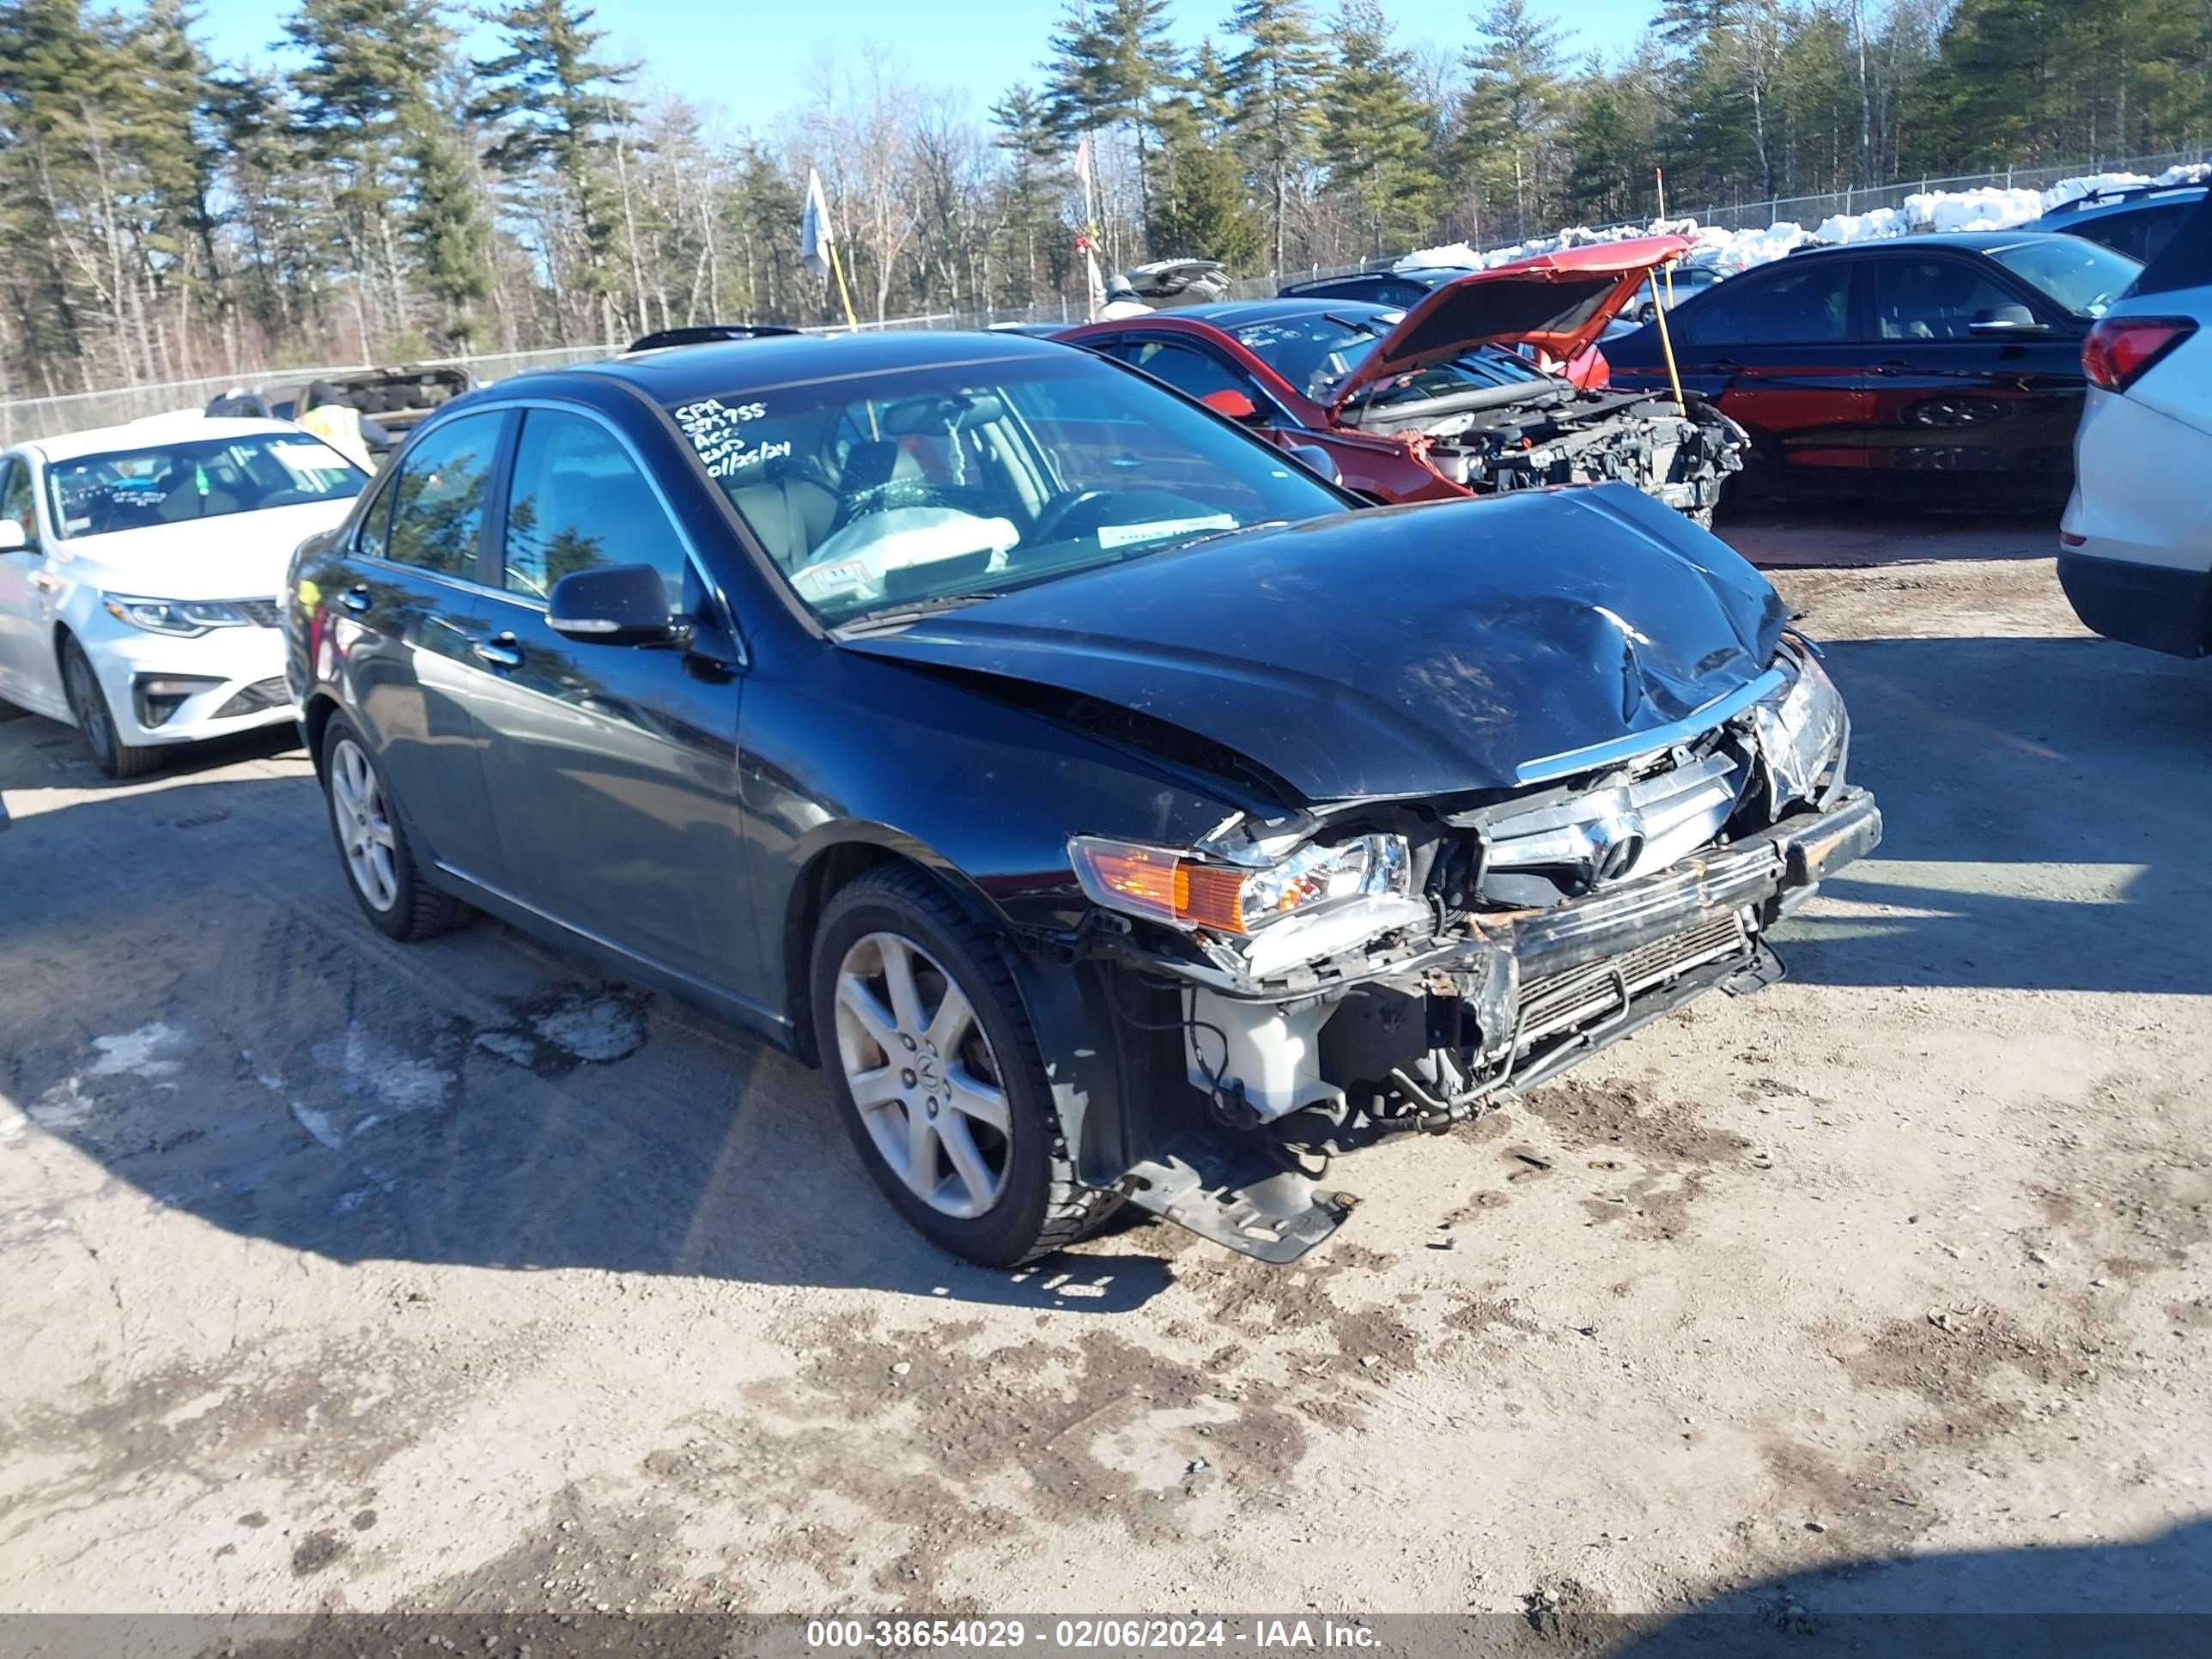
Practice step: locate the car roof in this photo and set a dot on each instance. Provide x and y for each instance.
(2112, 204)
(1966, 241)
(1229, 314)
(179, 426)
(676, 374)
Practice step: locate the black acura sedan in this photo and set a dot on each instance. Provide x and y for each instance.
(1116, 809)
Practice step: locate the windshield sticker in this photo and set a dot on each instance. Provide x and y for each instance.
(822, 581)
(1127, 535)
(307, 458)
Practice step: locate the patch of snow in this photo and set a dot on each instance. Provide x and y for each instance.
(368, 1066)
(601, 1029)
(136, 1054)
(14, 1124)
(64, 1106)
(318, 1124)
(1988, 208)
(510, 1045)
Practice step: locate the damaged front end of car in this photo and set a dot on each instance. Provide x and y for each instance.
(1521, 437)
(1364, 969)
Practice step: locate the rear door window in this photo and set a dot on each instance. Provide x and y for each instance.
(438, 498)
(577, 502)
(1808, 304)
(1192, 372)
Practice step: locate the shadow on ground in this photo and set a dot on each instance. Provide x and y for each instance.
(1855, 534)
(194, 1003)
(2142, 1601)
(2043, 802)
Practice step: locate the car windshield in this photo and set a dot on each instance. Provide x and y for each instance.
(2082, 275)
(934, 486)
(204, 478)
(1316, 351)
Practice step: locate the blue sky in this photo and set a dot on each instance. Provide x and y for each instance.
(751, 60)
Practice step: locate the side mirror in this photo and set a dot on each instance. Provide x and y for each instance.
(1998, 321)
(12, 538)
(1231, 402)
(616, 605)
(1315, 458)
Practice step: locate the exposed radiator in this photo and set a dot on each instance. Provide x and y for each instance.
(1562, 1001)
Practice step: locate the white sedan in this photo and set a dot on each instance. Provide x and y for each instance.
(140, 570)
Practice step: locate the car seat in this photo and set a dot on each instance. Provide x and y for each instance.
(789, 511)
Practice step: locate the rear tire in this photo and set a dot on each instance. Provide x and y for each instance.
(946, 1033)
(96, 721)
(371, 842)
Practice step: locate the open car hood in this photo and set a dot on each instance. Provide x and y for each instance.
(1419, 650)
(1560, 301)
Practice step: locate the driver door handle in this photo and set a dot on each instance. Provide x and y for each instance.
(500, 651)
(357, 599)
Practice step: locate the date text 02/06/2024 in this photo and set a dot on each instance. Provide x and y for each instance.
(868, 1636)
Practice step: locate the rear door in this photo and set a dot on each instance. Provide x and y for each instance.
(1955, 411)
(1778, 348)
(612, 769)
(404, 609)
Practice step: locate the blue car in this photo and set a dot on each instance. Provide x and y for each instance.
(2138, 223)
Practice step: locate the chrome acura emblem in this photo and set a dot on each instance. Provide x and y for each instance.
(1615, 843)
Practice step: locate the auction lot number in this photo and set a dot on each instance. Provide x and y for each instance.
(1073, 1634)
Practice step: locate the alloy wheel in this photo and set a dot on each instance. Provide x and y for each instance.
(364, 828)
(923, 1075)
(88, 704)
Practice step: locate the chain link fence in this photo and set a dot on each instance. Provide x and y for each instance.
(23, 419)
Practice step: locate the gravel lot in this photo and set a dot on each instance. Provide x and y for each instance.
(346, 1275)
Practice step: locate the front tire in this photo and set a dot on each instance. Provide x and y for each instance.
(371, 843)
(96, 721)
(938, 1075)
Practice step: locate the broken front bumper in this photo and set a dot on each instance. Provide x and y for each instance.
(1545, 988)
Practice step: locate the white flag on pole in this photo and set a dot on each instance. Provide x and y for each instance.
(816, 233)
(1083, 161)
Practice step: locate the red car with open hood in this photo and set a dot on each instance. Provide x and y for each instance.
(1457, 396)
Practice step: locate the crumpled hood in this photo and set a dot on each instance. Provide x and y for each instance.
(1560, 301)
(1401, 651)
(238, 556)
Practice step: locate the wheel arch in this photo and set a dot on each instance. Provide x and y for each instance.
(315, 716)
(858, 848)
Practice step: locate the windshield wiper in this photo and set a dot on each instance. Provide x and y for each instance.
(1209, 536)
(898, 615)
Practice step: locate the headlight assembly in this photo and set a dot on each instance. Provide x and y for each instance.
(184, 618)
(1318, 900)
(1800, 729)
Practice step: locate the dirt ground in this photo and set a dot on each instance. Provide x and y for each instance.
(346, 1275)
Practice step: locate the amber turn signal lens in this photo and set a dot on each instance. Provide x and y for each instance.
(1210, 897)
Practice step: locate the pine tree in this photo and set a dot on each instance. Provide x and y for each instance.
(1276, 79)
(1509, 117)
(1198, 206)
(1109, 67)
(561, 112)
(358, 106)
(1377, 136)
(1033, 152)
